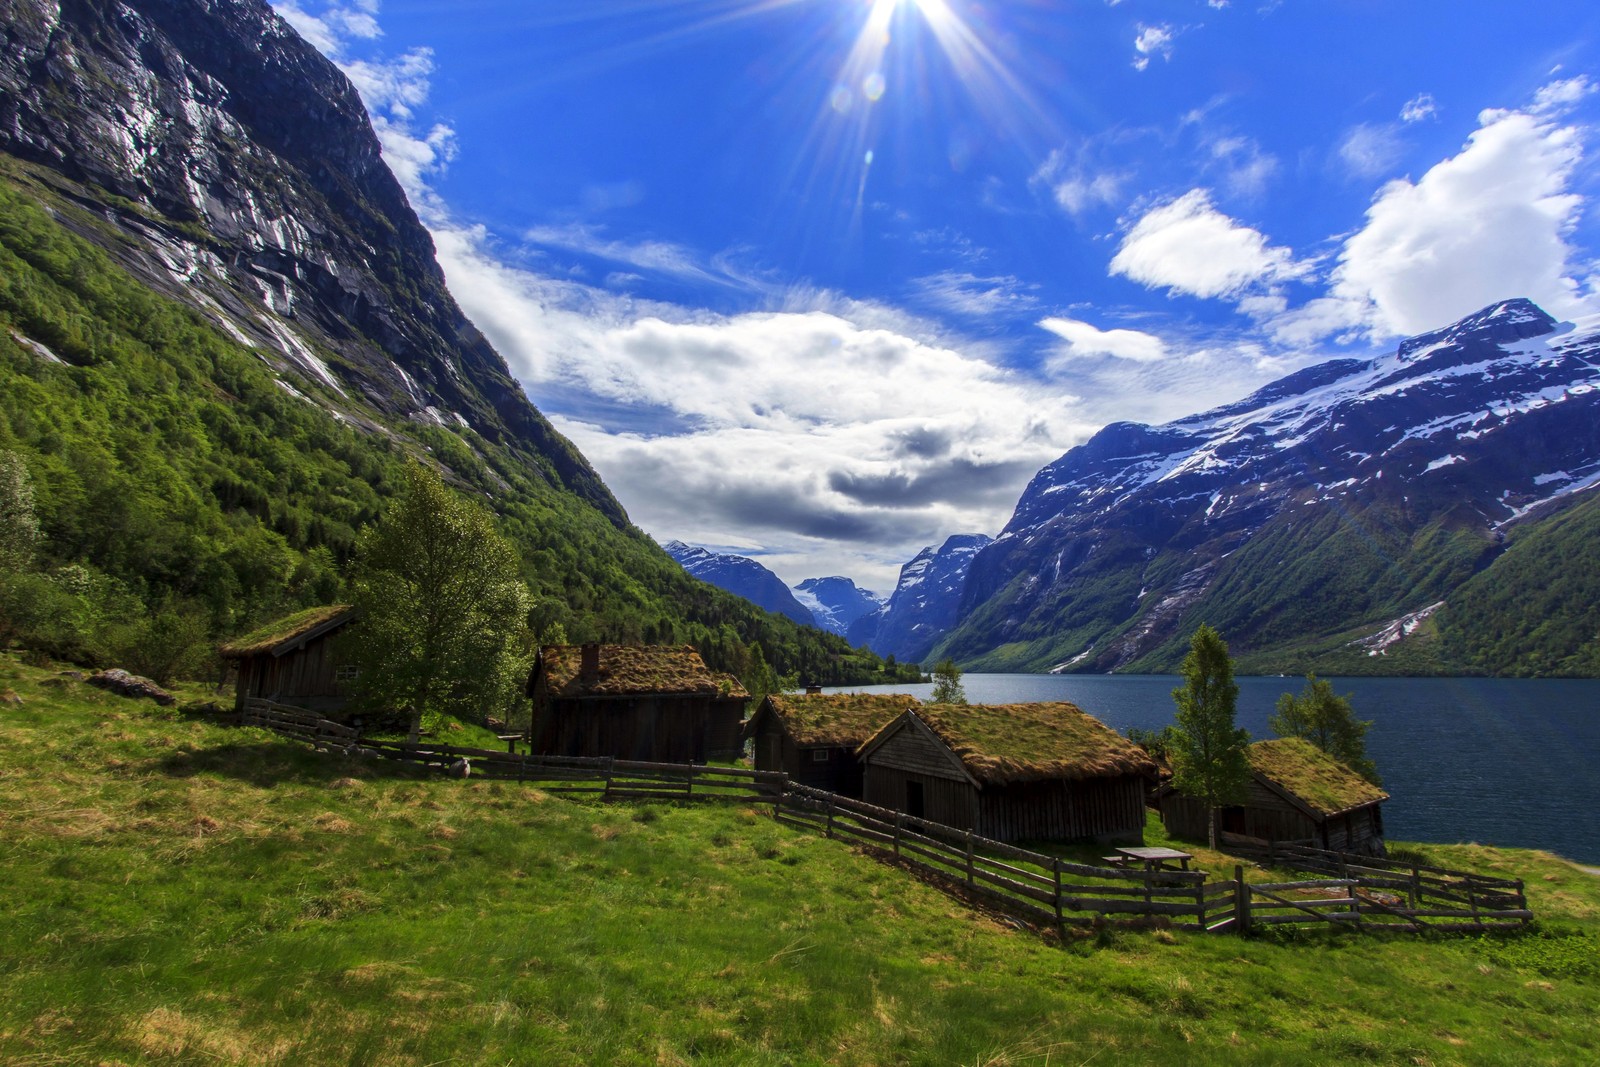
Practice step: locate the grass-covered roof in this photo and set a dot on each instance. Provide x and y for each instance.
(1004, 743)
(265, 639)
(837, 719)
(1318, 780)
(630, 670)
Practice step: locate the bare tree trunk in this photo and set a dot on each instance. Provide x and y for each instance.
(1211, 825)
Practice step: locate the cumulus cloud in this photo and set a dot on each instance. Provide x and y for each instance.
(777, 424)
(1188, 246)
(1152, 41)
(1490, 222)
(1081, 339)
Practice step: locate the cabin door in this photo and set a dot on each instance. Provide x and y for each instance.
(914, 803)
(774, 752)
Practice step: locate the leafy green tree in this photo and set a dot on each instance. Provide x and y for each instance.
(1327, 721)
(947, 688)
(1207, 747)
(19, 528)
(1156, 742)
(443, 608)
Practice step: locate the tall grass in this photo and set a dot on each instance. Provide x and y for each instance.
(178, 892)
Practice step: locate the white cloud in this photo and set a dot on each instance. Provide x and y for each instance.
(967, 294)
(1419, 107)
(1490, 223)
(1082, 339)
(1152, 41)
(1369, 151)
(822, 432)
(1188, 246)
(1560, 96)
(1076, 183)
(1244, 166)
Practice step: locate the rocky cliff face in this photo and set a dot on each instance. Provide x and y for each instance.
(227, 163)
(1350, 495)
(925, 602)
(836, 603)
(741, 576)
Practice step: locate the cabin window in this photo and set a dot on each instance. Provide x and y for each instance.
(346, 673)
(819, 755)
(914, 805)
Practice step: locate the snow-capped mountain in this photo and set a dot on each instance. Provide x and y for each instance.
(836, 603)
(1350, 494)
(924, 604)
(741, 576)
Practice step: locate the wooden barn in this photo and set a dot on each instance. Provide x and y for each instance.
(640, 702)
(1298, 793)
(1011, 772)
(813, 738)
(295, 660)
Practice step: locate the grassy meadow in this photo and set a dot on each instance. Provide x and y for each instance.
(179, 892)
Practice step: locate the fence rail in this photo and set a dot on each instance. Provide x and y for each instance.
(1356, 892)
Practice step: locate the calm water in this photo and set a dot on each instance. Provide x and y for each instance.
(1466, 759)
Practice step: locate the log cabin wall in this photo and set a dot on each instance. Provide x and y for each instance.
(307, 677)
(943, 800)
(651, 728)
(1106, 810)
(840, 772)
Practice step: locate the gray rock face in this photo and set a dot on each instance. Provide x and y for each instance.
(236, 169)
(836, 603)
(925, 604)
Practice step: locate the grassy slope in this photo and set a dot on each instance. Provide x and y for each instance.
(183, 893)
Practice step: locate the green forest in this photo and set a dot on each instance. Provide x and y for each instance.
(184, 494)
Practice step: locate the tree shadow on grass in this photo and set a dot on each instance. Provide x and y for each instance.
(267, 763)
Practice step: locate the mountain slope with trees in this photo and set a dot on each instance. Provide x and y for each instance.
(223, 333)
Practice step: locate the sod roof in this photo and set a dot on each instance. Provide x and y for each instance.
(634, 670)
(1000, 744)
(1315, 778)
(841, 720)
(285, 631)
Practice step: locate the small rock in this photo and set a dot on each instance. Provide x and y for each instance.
(10, 697)
(122, 683)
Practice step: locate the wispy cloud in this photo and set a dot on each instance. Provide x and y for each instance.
(1152, 41)
(1418, 108)
(1080, 339)
(971, 296)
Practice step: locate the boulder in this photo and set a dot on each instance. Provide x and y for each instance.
(122, 683)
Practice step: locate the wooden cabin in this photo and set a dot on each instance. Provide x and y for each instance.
(1297, 794)
(1011, 772)
(295, 660)
(813, 738)
(639, 702)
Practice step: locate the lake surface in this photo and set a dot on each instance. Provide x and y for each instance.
(1501, 762)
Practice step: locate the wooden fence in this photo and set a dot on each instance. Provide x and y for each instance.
(1358, 893)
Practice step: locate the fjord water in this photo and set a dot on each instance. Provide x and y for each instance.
(1496, 761)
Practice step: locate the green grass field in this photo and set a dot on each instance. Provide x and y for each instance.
(179, 892)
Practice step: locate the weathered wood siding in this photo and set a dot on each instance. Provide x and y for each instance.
(649, 728)
(944, 800)
(914, 748)
(775, 750)
(1107, 810)
(1266, 815)
(304, 678)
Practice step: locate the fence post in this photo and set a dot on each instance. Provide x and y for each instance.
(688, 788)
(1200, 903)
(832, 797)
(1061, 929)
(777, 796)
(611, 764)
(1241, 901)
(1522, 900)
(1416, 887)
(1472, 898)
(899, 816)
(969, 857)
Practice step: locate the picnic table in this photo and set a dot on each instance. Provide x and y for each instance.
(1152, 858)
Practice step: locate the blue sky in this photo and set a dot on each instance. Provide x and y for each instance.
(825, 281)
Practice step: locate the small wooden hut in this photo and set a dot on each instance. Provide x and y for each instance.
(1011, 772)
(1297, 794)
(295, 661)
(640, 702)
(813, 738)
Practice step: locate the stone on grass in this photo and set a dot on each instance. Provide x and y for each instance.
(119, 681)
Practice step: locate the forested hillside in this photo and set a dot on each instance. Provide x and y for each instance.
(186, 492)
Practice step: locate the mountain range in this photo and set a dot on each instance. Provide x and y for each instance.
(223, 332)
(1360, 515)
